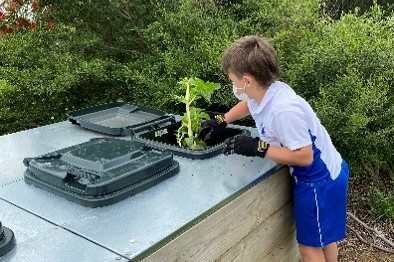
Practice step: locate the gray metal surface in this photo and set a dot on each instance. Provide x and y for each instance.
(129, 227)
(15, 147)
(39, 240)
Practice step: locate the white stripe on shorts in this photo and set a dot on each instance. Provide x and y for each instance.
(318, 216)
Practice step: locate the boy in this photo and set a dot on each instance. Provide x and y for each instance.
(290, 133)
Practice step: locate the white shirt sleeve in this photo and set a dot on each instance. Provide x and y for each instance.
(291, 129)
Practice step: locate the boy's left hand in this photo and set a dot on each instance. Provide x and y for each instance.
(246, 146)
(211, 128)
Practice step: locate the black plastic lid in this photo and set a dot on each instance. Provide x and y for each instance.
(120, 118)
(99, 168)
(7, 240)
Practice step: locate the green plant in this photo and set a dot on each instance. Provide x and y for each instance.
(191, 121)
(382, 206)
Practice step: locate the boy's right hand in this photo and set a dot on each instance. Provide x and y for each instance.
(211, 128)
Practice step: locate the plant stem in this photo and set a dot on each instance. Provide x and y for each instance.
(189, 121)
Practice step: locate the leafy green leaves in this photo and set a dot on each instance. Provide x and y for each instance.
(194, 89)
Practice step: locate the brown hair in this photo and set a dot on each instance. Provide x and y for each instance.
(253, 55)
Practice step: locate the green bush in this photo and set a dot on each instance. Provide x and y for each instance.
(336, 8)
(46, 74)
(360, 42)
(359, 113)
(186, 39)
(116, 23)
(349, 74)
(382, 206)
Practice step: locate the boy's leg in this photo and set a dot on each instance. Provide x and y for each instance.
(311, 254)
(331, 252)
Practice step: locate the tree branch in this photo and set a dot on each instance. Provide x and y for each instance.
(368, 243)
(375, 231)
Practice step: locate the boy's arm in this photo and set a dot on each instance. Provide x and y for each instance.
(299, 157)
(239, 111)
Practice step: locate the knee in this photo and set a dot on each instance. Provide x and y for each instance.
(305, 251)
(309, 253)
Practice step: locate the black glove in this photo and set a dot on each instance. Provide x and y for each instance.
(211, 128)
(246, 146)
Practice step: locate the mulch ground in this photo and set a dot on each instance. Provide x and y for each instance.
(352, 248)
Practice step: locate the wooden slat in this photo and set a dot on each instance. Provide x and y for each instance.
(288, 251)
(215, 235)
(270, 234)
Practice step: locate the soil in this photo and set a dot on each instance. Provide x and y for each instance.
(352, 248)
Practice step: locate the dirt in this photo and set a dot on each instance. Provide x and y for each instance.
(352, 248)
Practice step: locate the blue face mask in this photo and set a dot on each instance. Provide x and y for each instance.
(242, 96)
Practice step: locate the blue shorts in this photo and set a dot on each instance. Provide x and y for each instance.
(320, 210)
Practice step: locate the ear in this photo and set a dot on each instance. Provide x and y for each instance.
(248, 79)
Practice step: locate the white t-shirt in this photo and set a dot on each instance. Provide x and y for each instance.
(285, 119)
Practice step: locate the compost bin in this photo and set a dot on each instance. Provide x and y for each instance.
(103, 171)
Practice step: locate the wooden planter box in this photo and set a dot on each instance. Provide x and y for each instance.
(256, 226)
